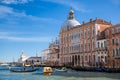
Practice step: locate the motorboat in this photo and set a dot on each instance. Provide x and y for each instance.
(4, 66)
(22, 69)
(61, 70)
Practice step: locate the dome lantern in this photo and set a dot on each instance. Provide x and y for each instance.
(70, 22)
(71, 14)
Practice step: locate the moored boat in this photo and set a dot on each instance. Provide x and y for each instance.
(61, 70)
(23, 69)
(4, 66)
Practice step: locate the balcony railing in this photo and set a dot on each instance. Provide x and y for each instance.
(117, 56)
(103, 48)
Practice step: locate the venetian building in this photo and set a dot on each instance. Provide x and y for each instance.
(67, 38)
(23, 58)
(54, 53)
(33, 60)
(112, 34)
(45, 56)
(79, 42)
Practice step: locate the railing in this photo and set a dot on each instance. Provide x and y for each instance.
(103, 48)
(117, 56)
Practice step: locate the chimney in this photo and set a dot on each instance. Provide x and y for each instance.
(91, 20)
(110, 22)
(83, 22)
(96, 18)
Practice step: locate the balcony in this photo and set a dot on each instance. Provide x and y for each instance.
(115, 43)
(117, 56)
(101, 49)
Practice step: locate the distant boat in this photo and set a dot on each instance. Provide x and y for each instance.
(60, 70)
(63, 69)
(23, 69)
(4, 66)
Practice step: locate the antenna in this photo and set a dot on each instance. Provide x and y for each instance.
(36, 54)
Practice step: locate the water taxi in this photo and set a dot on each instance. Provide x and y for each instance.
(47, 70)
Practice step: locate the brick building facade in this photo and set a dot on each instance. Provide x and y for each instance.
(112, 36)
(87, 44)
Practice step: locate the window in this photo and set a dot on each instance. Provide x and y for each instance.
(105, 44)
(106, 59)
(89, 58)
(98, 32)
(93, 32)
(112, 30)
(113, 41)
(117, 52)
(85, 34)
(88, 46)
(98, 44)
(81, 34)
(117, 41)
(86, 58)
(98, 58)
(101, 45)
(113, 52)
(93, 46)
(118, 30)
(94, 58)
(107, 32)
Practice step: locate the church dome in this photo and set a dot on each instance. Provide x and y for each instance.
(71, 21)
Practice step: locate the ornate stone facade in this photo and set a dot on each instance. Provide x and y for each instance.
(86, 45)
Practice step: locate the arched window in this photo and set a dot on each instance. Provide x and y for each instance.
(113, 41)
(113, 52)
(117, 51)
(117, 41)
(105, 59)
(105, 44)
(101, 45)
(98, 44)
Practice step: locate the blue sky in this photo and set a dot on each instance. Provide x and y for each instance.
(30, 25)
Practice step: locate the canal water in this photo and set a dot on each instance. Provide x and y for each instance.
(70, 75)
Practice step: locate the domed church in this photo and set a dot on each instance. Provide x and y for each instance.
(78, 42)
(70, 22)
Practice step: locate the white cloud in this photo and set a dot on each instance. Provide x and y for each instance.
(15, 1)
(9, 36)
(13, 36)
(26, 39)
(76, 4)
(117, 2)
(12, 16)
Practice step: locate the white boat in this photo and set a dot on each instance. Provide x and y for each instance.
(61, 70)
(4, 66)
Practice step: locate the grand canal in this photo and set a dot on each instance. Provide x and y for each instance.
(70, 75)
